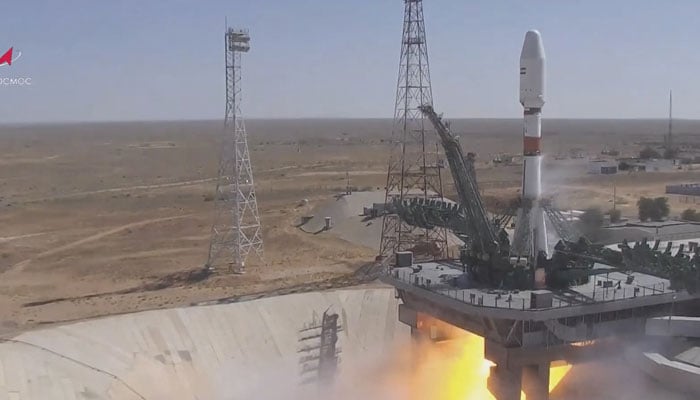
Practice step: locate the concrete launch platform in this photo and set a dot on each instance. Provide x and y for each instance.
(605, 291)
(526, 330)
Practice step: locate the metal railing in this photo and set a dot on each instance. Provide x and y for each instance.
(504, 299)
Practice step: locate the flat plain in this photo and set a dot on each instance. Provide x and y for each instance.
(100, 219)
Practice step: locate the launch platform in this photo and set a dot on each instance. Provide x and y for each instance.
(526, 330)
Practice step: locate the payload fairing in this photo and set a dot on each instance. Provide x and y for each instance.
(531, 230)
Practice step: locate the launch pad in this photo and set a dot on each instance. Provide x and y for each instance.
(526, 330)
(532, 304)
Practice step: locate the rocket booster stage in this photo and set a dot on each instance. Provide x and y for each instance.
(532, 98)
(532, 90)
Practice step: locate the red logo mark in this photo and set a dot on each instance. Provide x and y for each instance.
(7, 57)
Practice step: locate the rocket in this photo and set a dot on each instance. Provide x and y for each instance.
(532, 92)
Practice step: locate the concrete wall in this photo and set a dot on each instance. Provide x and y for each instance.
(676, 326)
(680, 376)
(244, 350)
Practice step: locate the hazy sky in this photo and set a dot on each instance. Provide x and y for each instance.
(147, 60)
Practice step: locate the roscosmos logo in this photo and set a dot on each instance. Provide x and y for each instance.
(9, 57)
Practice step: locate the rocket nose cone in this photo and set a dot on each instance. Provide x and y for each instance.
(532, 47)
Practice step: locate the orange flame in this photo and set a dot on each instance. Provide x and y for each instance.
(456, 369)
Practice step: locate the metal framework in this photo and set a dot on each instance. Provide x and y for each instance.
(482, 232)
(414, 164)
(319, 349)
(236, 230)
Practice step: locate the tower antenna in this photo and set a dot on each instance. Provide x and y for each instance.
(236, 230)
(413, 171)
(669, 140)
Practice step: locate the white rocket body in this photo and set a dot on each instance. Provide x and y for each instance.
(532, 92)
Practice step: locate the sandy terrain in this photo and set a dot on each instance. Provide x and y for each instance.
(109, 218)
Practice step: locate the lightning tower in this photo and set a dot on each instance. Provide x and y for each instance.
(669, 138)
(414, 167)
(236, 230)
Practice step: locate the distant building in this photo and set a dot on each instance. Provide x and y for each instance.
(604, 167)
(647, 165)
(685, 189)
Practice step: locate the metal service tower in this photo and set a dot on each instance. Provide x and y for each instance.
(236, 230)
(414, 165)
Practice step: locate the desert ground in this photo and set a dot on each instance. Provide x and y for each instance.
(100, 219)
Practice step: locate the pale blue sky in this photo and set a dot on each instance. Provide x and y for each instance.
(163, 59)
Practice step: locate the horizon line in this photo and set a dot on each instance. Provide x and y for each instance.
(107, 121)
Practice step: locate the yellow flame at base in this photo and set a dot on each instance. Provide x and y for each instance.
(457, 370)
(452, 370)
(556, 374)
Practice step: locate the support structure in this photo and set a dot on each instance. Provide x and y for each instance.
(236, 230)
(507, 382)
(414, 164)
(319, 349)
(328, 351)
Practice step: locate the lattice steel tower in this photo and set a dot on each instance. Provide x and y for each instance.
(236, 230)
(414, 163)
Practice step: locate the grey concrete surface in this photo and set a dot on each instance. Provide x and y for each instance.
(234, 351)
(673, 326)
(247, 350)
